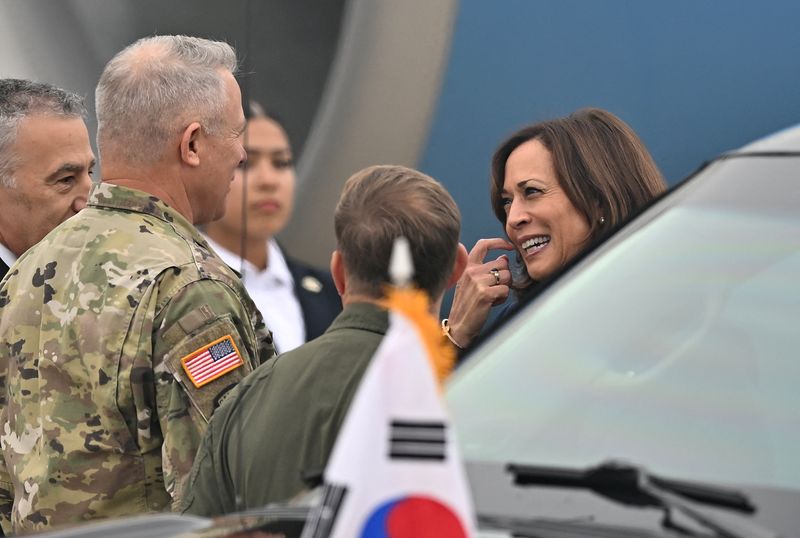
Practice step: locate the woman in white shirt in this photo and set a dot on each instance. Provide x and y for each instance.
(298, 302)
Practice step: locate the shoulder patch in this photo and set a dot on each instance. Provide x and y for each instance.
(212, 361)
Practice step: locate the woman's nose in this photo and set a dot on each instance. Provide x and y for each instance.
(262, 172)
(517, 215)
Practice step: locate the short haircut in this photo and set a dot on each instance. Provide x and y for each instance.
(22, 98)
(602, 165)
(151, 90)
(381, 203)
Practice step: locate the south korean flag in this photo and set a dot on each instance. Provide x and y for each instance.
(395, 470)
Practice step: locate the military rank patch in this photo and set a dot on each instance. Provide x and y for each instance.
(211, 361)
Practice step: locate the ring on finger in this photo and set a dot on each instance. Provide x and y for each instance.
(496, 273)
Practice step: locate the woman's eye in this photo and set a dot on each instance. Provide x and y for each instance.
(505, 202)
(281, 164)
(529, 191)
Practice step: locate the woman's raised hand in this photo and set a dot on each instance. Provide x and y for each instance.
(483, 285)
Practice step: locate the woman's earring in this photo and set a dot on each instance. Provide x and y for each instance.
(602, 220)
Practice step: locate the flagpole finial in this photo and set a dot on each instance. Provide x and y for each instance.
(401, 265)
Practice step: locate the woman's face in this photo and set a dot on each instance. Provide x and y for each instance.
(540, 219)
(270, 183)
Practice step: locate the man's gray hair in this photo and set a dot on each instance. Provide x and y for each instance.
(20, 99)
(153, 89)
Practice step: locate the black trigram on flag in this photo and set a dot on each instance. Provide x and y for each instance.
(417, 440)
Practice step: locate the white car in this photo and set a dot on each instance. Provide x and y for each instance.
(653, 389)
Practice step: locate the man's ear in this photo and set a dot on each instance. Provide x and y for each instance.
(337, 272)
(190, 154)
(459, 265)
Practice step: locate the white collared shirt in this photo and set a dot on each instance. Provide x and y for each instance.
(273, 292)
(7, 256)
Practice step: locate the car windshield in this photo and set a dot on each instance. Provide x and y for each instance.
(676, 345)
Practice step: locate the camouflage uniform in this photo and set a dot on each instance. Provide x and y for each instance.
(99, 416)
(304, 394)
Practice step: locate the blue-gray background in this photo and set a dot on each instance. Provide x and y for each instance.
(693, 78)
(437, 84)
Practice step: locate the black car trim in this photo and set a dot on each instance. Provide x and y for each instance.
(633, 486)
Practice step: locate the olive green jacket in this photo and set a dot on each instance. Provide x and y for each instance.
(281, 423)
(99, 417)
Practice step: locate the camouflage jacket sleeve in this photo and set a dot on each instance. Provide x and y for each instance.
(213, 483)
(204, 343)
(6, 486)
(207, 493)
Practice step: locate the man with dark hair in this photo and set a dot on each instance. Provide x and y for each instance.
(281, 424)
(46, 163)
(122, 331)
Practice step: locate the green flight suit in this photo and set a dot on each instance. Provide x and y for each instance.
(281, 423)
(99, 416)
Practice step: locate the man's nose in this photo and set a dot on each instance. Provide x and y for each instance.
(82, 193)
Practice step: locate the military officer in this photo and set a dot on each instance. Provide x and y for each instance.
(281, 424)
(122, 331)
(46, 163)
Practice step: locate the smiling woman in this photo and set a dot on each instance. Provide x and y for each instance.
(689, 372)
(556, 186)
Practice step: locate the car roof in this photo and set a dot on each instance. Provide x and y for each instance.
(785, 141)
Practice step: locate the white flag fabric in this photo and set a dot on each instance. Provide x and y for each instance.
(395, 471)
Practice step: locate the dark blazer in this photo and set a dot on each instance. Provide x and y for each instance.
(319, 300)
(3, 269)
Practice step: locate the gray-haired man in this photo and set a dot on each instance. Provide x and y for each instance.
(45, 163)
(121, 331)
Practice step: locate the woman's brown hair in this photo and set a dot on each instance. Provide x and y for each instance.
(600, 162)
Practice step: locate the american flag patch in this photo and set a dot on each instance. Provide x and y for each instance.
(212, 361)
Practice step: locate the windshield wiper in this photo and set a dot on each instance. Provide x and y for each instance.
(632, 485)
